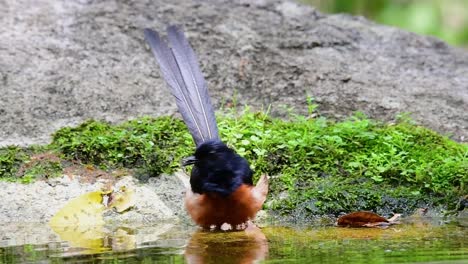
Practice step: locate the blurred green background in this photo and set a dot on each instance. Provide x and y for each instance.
(445, 19)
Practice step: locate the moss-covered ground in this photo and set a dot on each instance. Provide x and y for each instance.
(317, 166)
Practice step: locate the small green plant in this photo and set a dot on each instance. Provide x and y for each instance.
(11, 158)
(28, 164)
(311, 106)
(43, 165)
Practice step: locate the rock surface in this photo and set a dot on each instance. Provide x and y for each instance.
(39, 201)
(62, 62)
(25, 211)
(66, 61)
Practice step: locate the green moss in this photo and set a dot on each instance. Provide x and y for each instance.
(155, 145)
(11, 158)
(323, 167)
(317, 166)
(28, 164)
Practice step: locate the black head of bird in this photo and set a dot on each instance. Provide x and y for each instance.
(217, 168)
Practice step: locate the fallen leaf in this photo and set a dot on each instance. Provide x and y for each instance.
(83, 210)
(80, 222)
(366, 219)
(122, 200)
(89, 237)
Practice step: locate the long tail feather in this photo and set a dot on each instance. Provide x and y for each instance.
(180, 69)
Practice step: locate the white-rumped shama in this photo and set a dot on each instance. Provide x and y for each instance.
(222, 189)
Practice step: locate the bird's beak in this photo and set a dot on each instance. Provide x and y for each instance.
(189, 161)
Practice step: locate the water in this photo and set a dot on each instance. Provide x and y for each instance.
(419, 242)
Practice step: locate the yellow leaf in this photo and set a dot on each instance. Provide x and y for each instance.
(84, 210)
(80, 222)
(90, 237)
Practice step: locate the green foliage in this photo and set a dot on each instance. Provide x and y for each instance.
(328, 167)
(154, 144)
(11, 158)
(317, 166)
(41, 164)
(28, 164)
(445, 19)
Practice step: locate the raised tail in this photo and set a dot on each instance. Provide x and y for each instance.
(179, 67)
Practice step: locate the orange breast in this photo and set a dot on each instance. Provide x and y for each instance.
(212, 209)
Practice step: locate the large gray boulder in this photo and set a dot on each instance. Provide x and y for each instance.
(62, 62)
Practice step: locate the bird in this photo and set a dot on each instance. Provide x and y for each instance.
(221, 192)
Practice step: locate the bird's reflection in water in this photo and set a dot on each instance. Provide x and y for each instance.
(248, 246)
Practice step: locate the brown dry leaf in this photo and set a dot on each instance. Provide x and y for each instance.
(366, 219)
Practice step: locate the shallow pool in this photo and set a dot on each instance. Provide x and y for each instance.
(419, 242)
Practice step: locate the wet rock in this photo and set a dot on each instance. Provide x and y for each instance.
(39, 201)
(462, 218)
(67, 61)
